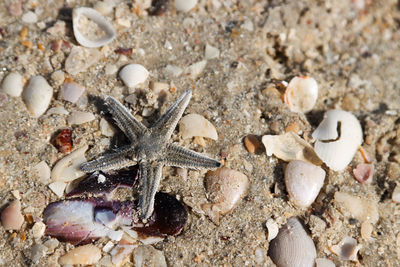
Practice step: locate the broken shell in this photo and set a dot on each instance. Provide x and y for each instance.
(364, 172)
(225, 188)
(81, 58)
(211, 52)
(321, 262)
(11, 217)
(196, 69)
(120, 253)
(360, 208)
(106, 128)
(80, 117)
(338, 138)
(290, 146)
(196, 125)
(301, 94)
(42, 171)
(37, 96)
(149, 256)
(83, 19)
(87, 254)
(68, 168)
(293, 246)
(12, 84)
(71, 91)
(58, 188)
(272, 228)
(303, 182)
(38, 230)
(347, 249)
(133, 75)
(185, 5)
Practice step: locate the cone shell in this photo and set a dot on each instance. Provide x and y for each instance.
(338, 138)
(303, 182)
(293, 247)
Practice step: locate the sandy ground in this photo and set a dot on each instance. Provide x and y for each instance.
(350, 47)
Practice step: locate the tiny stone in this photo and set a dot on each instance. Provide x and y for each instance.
(196, 69)
(131, 99)
(110, 69)
(38, 230)
(104, 7)
(80, 117)
(173, 71)
(11, 217)
(38, 251)
(85, 255)
(29, 17)
(252, 143)
(51, 244)
(12, 84)
(71, 91)
(133, 74)
(58, 111)
(81, 58)
(366, 230)
(58, 77)
(106, 128)
(211, 52)
(185, 5)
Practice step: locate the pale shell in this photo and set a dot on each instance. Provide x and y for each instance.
(347, 249)
(71, 91)
(301, 94)
(37, 96)
(196, 69)
(362, 209)
(68, 168)
(12, 84)
(81, 58)
(185, 5)
(96, 17)
(11, 216)
(87, 254)
(133, 75)
(292, 247)
(196, 125)
(338, 138)
(321, 262)
(303, 182)
(80, 117)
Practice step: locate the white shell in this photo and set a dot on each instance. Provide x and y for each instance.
(81, 58)
(11, 216)
(196, 69)
(225, 188)
(149, 256)
(37, 96)
(301, 94)
(347, 249)
(185, 5)
(133, 74)
(321, 262)
(87, 254)
(362, 209)
(58, 188)
(71, 91)
(68, 168)
(96, 17)
(292, 247)
(38, 230)
(12, 84)
(338, 138)
(196, 125)
(290, 146)
(272, 228)
(80, 117)
(303, 182)
(42, 171)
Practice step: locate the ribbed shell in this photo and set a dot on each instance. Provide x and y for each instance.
(292, 247)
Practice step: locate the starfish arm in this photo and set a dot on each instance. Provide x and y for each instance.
(150, 175)
(124, 119)
(181, 157)
(112, 161)
(166, 124)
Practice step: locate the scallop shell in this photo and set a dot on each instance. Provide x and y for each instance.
(303, 182)
(338, 138)
(96, 17)
(37, 96)
(301, 94)
(292, 247)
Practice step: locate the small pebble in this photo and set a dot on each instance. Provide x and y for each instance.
(148, 256)
(87, 254)
(196, 69)
(133, 74)
(196, 125)
(58, 77)
(37, 96)
(38, 230)
(185, 5)
(104, 7)
(11, 217)
(29, 17)
(252, 143)
(38, 251)
(12, 84)
(364, 173)
(211, 52)
(80, 59)
(15, 8)
(63, 140)
(71, 91)
(366, 230)
(58, 111)
(106, 128)
(80, 117)
(110, 69)
(51, 244)
(120, 252)
(42, 171)
(58, 188)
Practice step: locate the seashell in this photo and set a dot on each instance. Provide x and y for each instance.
(173, 71)
(364, 172)
(68, 168)
(360, 208)
(12, 84)
(196, 69)
(338, 138)
(106, 128)
(63, 140)
(11, 216)
(58, 111)
(272, 228)
(321, 262)
(58, 188)
(71, 91)
(81, 58)
(196, 125)
(366, 230)
(290, 146)
(42, 171)
(87, 254)
(133, 75)
(303, 182)
(293, 246)
(37, 96)
(120, 253)
(82, 23)
(301, 94)
(80, 117)
(38, 230)
(347, 249)
(396, 194)
(225, 188)
(148, 256)
(211, 52)
(185, 5)
(29, 17)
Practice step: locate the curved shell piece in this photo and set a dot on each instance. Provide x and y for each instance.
(67, 169)
(37, 96)
(303, 182)
(79, 23)
(301, 94)
(292, 247)
(347, 249)
(196, 125)
(338, 137)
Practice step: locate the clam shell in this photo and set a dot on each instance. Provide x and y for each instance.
(301, 94)
(338, 138)
(196, 125)
(96, 17)
(303, 182)
(133, 74)
(292, 247)
(12, 84)
(37, 96)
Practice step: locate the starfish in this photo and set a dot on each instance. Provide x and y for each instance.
(150, 148)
